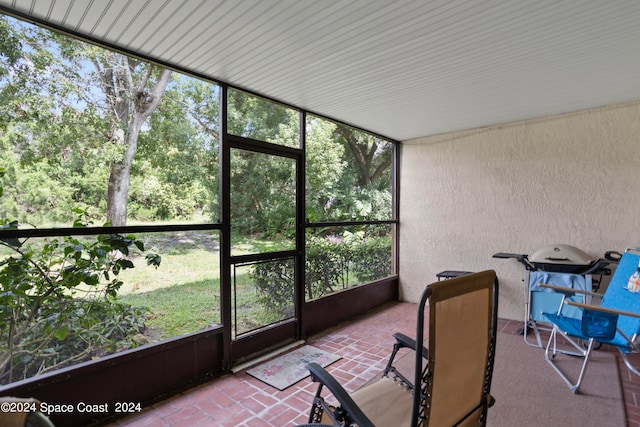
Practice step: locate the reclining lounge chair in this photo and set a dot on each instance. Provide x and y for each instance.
(19, 412)
(452, 380)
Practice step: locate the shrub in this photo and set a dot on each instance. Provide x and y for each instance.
(58, 301)
(330, 261)
(327, 266)
(371, 258)
(274, 281)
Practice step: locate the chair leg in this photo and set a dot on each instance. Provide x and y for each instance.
(322, 413)
(531, 325)
(627, 362)
(552, 348)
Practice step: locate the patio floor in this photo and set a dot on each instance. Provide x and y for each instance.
(364, 344)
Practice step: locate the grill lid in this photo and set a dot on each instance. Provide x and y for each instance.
(559, 253)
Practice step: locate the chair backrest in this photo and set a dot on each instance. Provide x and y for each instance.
(545, 300)
(462, 320)
(618, 297)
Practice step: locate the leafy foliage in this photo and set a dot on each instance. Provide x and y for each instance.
(348, 173)
(262, 194)
(373, 257)
(274, 281)
(327, 266)
(61, 135)
(329, 263)
(64, 119)
(58, 301)
(73, 116)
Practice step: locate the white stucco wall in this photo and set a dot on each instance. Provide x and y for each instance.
(573, 178)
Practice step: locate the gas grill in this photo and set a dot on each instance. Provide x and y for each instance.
(562, 258)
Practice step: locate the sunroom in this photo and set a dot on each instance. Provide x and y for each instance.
(239, 176)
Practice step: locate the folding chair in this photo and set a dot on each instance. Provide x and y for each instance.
(560, 265)
(615, 321)
(453, 387)
(541, 299)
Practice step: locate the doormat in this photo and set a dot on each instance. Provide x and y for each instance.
(288, 369)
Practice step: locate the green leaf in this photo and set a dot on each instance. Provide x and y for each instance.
(139, 244)
(62, 333)
(91, 280)
(125, 263)
(153, 259)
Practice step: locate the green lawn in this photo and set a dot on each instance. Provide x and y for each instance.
(179, 309)
(183, 294)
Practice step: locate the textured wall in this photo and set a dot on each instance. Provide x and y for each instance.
(573, 178)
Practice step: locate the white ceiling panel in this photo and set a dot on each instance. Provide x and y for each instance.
(402, 68)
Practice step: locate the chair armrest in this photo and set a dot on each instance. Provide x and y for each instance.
(406, 342)
(562, 289)
(603, 309)
(319, 374)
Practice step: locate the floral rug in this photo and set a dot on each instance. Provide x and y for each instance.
(290, 368)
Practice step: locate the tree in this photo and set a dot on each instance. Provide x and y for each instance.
(34, 96)
(325, 165)
(132, 90)
(370, 154)
(263, 186)
(177, 172)
(348, 173)
(123, 138)
(10, 52)
(67, 99)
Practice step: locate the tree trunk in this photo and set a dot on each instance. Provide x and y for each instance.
(117, 194)
(120, 175)
(129, 106)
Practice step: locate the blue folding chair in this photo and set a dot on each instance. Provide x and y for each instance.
(542, 299)
(615, 321)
